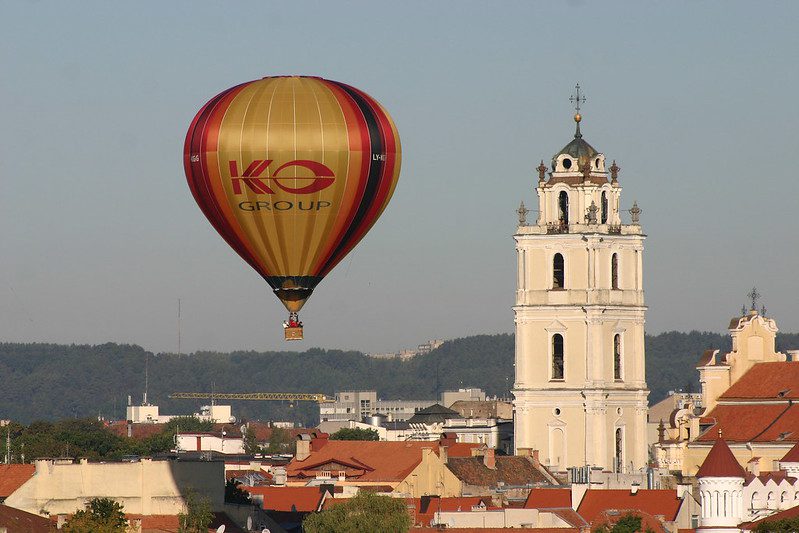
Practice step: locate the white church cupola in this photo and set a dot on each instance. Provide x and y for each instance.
(721, 481)
(580, 390)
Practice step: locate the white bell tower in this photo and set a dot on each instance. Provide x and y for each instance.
(580, 391)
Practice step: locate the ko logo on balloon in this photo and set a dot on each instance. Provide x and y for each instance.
(254, 180)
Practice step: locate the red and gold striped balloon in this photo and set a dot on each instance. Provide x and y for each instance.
(292, 172)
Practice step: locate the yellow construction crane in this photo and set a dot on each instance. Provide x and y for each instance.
(264, 396)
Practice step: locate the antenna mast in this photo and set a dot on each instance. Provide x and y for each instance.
(178, 327)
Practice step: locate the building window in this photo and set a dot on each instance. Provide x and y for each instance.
(618, 456)
(617, 357)
(604, 207)
(557, 356)
(614, 271)
(563, 208)
(558, 272)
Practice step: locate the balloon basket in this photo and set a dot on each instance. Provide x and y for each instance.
(293, 333)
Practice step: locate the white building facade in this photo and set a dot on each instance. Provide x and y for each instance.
(580, 390)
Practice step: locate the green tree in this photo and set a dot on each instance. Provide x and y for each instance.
(365, 513)
(233, 494)
(187, 424)
(250, 441)
(786, 525)
(198, 515)
(628, 523)
(102, 515)
(355, 434)
(280, 442)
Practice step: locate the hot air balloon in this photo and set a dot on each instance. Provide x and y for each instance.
(292, 172)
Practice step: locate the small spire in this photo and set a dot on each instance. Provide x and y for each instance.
(542, 170)
(614, 172)
(754, 296)
(743, 310)
(522, 212)
(763, 311)
(577, 99)
(635, 213)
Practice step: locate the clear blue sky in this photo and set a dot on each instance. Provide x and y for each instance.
(99, 235)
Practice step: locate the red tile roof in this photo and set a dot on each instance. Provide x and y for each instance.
(654, 502)
(171, 523)
(548, 498)
(462, 449)
(288, 499)
(499, 530)
(18, 521)
(362, 460)
(424, 509)
(792, 456)
(720, 462)
(13, 477)
(793, 512)
(511, 470)
(767, 380)
(753, 422)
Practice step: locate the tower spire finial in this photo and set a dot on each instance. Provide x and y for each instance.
(577, 99)
(754, 296)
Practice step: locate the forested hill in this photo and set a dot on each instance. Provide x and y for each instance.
(49, 381)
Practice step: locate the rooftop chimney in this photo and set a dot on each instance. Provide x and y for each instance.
(303, 448)
(489, 459)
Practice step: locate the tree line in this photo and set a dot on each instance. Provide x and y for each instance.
(55, 382)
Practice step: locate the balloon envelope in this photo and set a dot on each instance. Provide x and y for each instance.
(292, 172)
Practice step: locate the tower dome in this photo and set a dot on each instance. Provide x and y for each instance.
(579, 156)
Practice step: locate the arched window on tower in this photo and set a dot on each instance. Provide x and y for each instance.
(617, 357)
(618, 457)
(614, 271)
(557, 356)
(558, 277)
(604, 207)
(563, 208)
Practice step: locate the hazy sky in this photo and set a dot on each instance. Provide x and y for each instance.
(99, 235)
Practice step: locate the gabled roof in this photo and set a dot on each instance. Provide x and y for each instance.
(720, 462)
(289, 499)
(777, 380)
(511, 470)
(792, 456)
(377, 460)
(23, 522)
(654, 502)
(753, 422)
(13, 477)
(547, 498)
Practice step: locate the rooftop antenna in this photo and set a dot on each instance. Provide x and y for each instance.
(146, 377)
(178, 327)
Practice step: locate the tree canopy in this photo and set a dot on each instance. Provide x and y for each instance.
(365, 513)
(355, 434)
(52, 381)
(102, 515)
